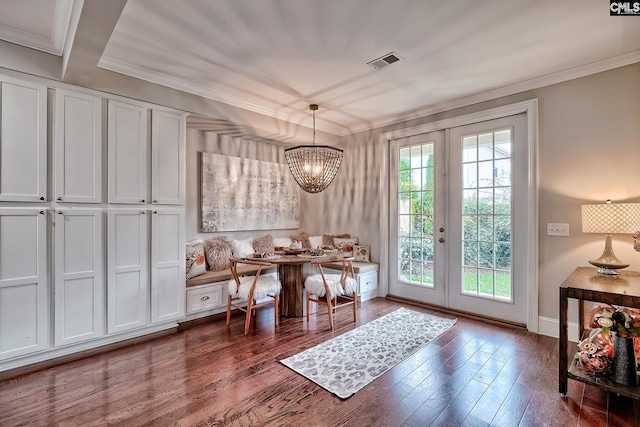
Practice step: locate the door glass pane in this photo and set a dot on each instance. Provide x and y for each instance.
(416, 184)
(486, 220)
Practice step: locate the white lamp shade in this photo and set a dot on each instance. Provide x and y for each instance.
(611, 218)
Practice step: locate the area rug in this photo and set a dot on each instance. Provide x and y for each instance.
(347, 363)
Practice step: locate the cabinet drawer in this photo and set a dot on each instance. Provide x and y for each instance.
(367, 282)
(204, 298)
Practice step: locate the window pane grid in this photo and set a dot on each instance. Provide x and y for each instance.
(416, 214)
(486, 215)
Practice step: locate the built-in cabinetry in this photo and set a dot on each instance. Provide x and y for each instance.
(79, 275)
(24, 313)
(23, 141)
(77, 147)
(91, 250)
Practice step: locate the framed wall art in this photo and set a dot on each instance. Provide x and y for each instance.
(246, 194)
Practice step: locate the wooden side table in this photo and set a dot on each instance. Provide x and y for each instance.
(584, 284)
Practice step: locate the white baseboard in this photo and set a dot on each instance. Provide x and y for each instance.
(551, 327)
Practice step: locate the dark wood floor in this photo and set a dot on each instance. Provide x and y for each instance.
(476, 374)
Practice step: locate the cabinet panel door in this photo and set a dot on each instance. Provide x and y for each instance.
(78, 147)
(127, 146)
(168, 288)
(23, 282)
(128, 284)
(168, 158)
(23, 141)
(79, 282)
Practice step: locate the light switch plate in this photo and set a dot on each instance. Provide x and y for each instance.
(557, 229)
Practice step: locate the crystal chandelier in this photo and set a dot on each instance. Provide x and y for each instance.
(313, 166)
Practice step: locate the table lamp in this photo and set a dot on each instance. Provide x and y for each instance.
(610, 218)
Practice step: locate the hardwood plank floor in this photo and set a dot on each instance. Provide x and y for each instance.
(476, 374)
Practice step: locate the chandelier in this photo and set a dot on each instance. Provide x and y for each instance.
(313, 166)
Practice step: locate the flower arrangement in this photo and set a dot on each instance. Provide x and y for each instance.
(595, 352)
(622, 321)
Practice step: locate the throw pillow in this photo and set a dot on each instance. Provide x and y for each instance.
(304, 238)
(328, 239)
(315, 241)
(346, 245)
(281, 242)
(195, 259)
(263, 244)
(217, 251)
(242, 248)
(361, 253)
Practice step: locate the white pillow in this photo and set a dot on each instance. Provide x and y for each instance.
(283, 242)
(316, 241)
(242, 248)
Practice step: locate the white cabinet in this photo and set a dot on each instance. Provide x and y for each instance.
(167, 158)
(128, 283)
(23, 282)
(127, 152)
(78, 147)
(23, 141)
(79, 281)
(167, 265)
(206, 297)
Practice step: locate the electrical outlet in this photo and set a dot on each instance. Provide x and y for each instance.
(557, 229)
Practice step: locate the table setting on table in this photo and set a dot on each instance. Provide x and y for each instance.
(290, 261)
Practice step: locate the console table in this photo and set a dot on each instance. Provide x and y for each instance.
(584, 284)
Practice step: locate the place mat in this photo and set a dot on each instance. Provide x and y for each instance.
(267, 258)
(309, 256)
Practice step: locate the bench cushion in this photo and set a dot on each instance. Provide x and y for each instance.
(358, 267)
(225, 275)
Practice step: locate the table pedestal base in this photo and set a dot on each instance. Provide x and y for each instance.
(292, 296)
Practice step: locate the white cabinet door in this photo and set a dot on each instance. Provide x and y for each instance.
(128, 283)
(78, 148)
(127, 147)
(167, 265)
(79, 281)
(167, 158)
(23, 282)
(23, 141)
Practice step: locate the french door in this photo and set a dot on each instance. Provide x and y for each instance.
(417, 261)
(458, 218)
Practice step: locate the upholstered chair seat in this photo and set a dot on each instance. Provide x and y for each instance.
(256, 291)
(265, 286)
(315, 285)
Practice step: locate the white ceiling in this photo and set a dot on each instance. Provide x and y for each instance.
(277, 56)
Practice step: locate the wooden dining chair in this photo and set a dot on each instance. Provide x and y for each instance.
(252, 290)
(338, 290)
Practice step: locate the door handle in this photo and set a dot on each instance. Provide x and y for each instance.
(441, 240)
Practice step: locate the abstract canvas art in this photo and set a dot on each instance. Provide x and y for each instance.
(246, 194)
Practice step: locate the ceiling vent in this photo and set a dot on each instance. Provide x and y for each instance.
(385, 60)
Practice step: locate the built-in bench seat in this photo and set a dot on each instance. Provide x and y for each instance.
(224, 275)
(358, 267)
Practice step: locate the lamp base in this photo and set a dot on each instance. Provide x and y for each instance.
(608, 263)
(606, 271)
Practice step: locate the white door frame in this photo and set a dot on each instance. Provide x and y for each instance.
(529, 107)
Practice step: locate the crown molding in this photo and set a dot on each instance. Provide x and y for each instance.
(548, 80)
(53, 44)
(212, 94)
